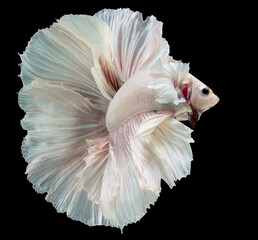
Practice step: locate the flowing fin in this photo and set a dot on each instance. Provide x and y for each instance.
(105, 74)
(146, 148)
(92, 175)
(64, 55)
(137, 44)
(149, 125)
(169, 143)
(58, 121)
(122, 200)
(167, 79)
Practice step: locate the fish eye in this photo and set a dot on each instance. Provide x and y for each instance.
(205, 91)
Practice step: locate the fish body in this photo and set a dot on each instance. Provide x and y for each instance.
(103, 102)
(137, 96)
(133, 98)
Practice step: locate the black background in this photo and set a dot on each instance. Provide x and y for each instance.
(201, 205)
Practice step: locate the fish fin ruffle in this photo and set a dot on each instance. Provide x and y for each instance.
(168, 142)
(65, 54)
(91, 176)
(104, 73)
(147, 148)
(167, 79)
(122, 199)
(58, 121)
(137, 44)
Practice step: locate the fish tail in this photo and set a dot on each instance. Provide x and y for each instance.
(68, 84)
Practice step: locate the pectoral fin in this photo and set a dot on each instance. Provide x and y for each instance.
(193, 116)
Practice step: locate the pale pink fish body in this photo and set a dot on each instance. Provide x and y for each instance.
(136, 97)
(133, 98)
(103, 102)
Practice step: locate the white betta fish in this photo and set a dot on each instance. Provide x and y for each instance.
(103, 102)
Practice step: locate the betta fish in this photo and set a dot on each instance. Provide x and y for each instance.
(104, 102)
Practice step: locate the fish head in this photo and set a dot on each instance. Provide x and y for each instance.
(199, 96)
(202, 97)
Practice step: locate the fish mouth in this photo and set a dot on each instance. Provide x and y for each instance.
(215, 99)
(194, 115)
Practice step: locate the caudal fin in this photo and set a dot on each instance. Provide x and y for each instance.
(68, 85)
